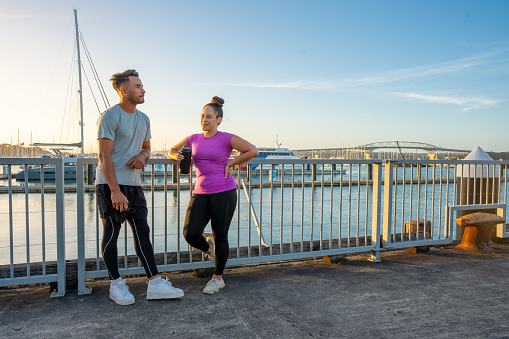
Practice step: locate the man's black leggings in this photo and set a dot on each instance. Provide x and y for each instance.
(219, 209)
(112, 222)
(142, 244)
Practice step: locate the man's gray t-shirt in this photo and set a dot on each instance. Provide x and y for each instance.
(128, 132)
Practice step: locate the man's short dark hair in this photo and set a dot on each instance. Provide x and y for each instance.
(118, 79)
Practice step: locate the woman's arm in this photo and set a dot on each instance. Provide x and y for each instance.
(174, 152)
(247, 152)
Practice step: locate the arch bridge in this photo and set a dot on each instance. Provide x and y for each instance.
(407, 145)
(368, 149)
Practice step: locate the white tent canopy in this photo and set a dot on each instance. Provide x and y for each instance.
(477, 171)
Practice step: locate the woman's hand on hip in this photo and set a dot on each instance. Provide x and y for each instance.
(227, 170)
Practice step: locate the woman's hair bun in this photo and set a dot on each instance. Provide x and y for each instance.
(218, 101)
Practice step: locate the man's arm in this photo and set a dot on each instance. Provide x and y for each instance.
(139, 160)
(118, 199)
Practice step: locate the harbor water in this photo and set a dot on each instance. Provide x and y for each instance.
(286, 214)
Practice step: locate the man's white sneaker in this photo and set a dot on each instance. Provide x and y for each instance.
(163, 290)
(211, 255)
(120, 294)
(213, 286)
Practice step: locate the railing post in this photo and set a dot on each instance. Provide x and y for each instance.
(387, 203)
(82, 289)
(90, 174)
(59, 191)
(376, 213)
(174, 173)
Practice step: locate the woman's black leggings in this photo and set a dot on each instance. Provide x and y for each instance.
(219, 209)
(137, 219)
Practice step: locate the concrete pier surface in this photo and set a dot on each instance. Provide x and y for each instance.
(443, 293)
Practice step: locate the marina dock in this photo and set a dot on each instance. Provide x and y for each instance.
(6, 176)
(254, 184)
(266, 171)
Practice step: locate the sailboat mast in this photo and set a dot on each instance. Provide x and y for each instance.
(80, 91)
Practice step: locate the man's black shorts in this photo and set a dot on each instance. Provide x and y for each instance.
(134, 195)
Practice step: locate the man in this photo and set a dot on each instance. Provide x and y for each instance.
(124, 136)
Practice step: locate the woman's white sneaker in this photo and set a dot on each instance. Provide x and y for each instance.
(163, 290)
(213, 286)
(120, 294)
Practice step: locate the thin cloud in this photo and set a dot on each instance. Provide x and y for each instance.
(482, 44)
(426, 71)
(307, 85)
(380, 78)
(468, 103)
(31, 16)
(16, 17)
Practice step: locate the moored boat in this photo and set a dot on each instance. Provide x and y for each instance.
(273, 154)
(34, 173)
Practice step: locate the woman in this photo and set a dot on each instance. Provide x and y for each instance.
(214, 197)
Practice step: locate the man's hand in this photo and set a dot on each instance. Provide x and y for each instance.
(119, 201)
(137, 162)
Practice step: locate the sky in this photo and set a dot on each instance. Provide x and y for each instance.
(313, 73)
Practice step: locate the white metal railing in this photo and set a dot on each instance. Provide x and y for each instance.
(21, 240)
(306, 209)
(291, 209)
(436, 191)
